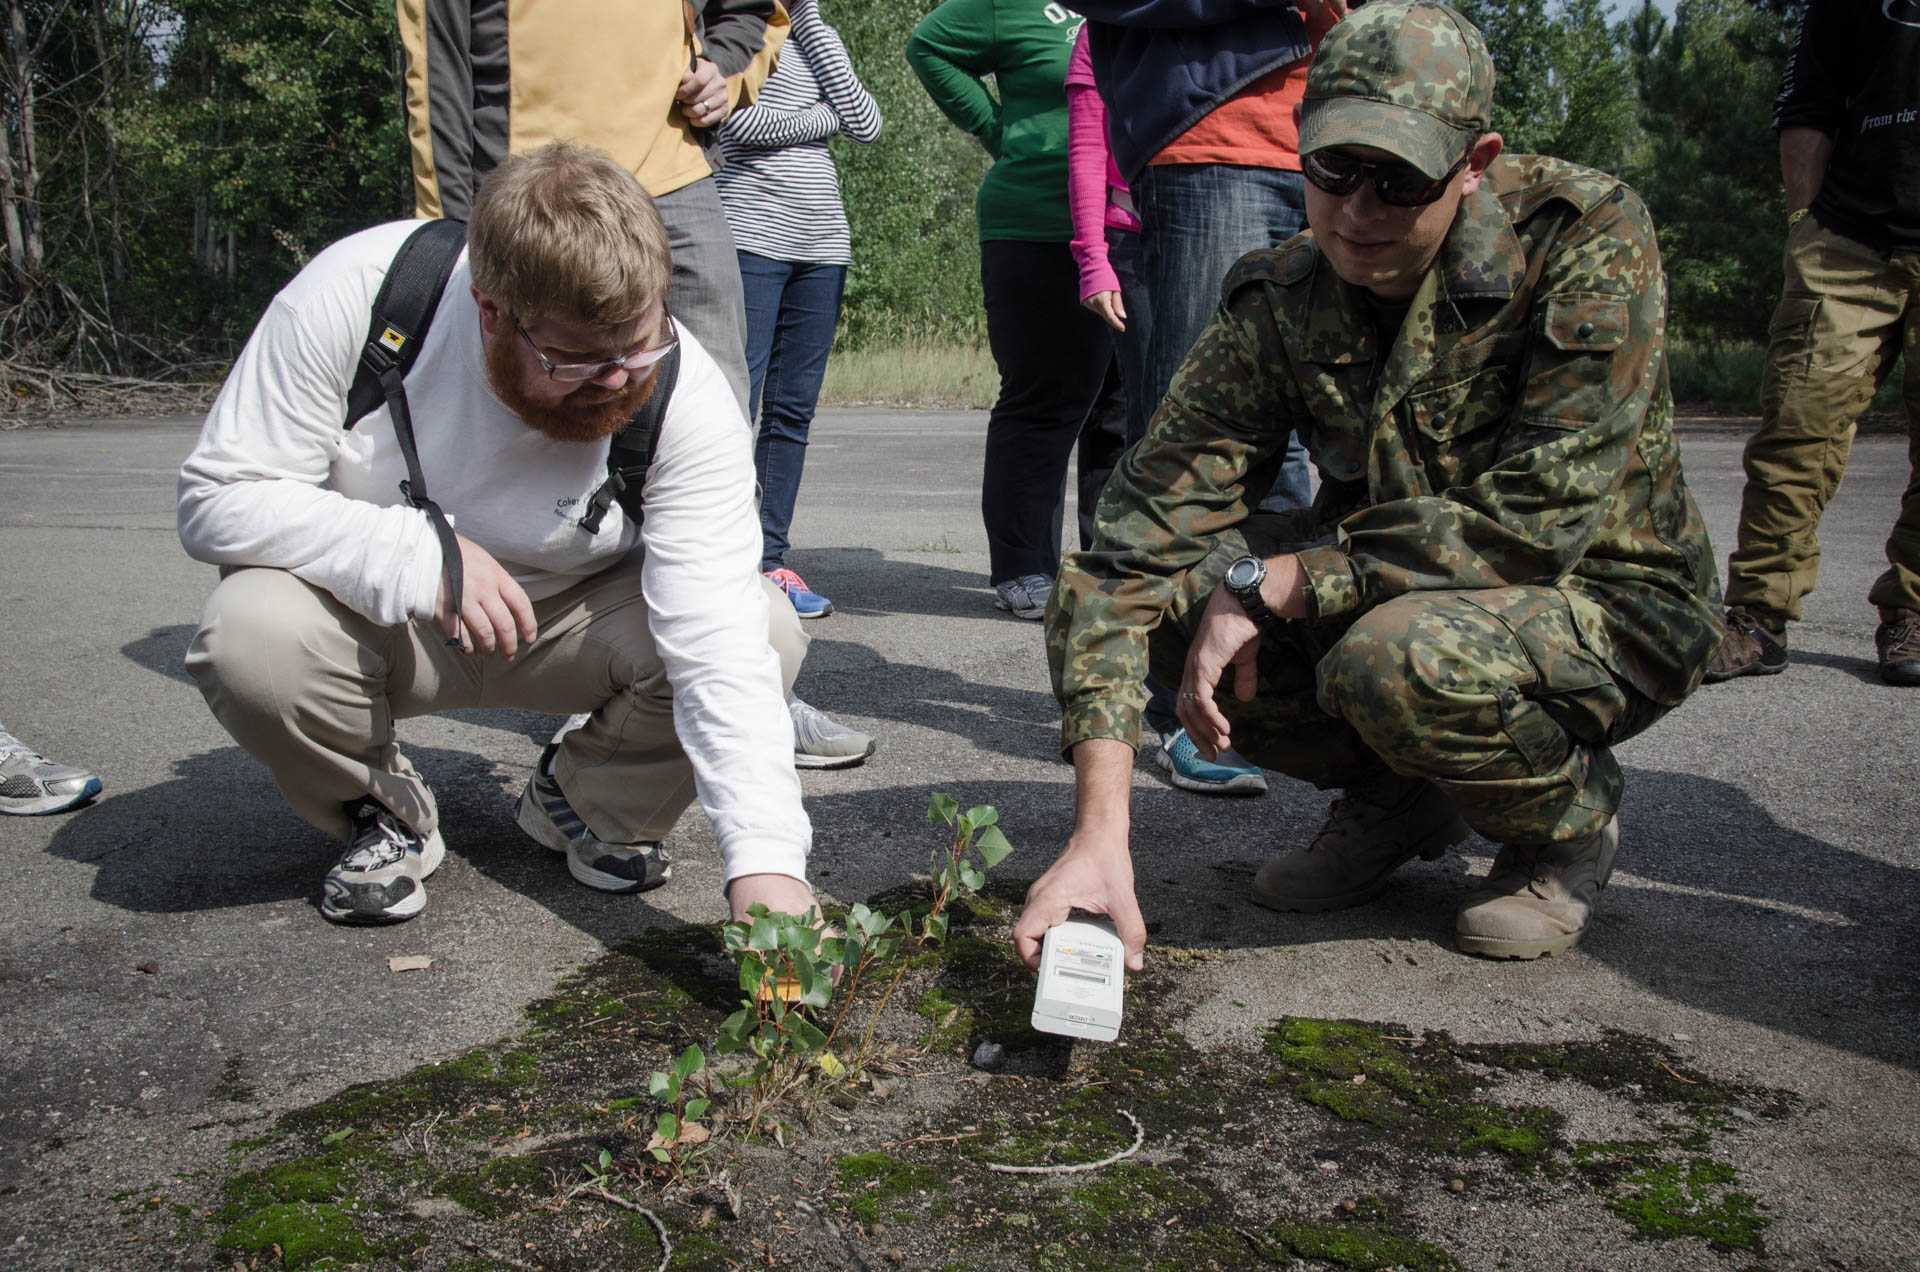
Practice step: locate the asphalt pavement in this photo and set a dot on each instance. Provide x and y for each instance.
(167, 983)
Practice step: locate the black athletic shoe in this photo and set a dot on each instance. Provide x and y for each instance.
(380, 878)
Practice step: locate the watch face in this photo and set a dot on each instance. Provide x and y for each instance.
(1243, 573)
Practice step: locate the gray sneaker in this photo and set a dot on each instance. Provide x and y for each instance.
(31, 784)
(546, 816)
(1538, 897)
(381, 878)
(820, 742)
(1370, 832)
(1025, 596)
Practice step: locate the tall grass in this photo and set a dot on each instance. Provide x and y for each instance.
(1726, 377)
(918, 373)
(933, 373)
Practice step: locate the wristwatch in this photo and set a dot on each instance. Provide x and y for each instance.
(1243, 579)
(1795, 217)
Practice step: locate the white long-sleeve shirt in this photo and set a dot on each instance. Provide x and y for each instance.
(277, 480)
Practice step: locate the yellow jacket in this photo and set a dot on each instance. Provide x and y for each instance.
(489, 78)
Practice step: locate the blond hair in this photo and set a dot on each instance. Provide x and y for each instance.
(564, 232)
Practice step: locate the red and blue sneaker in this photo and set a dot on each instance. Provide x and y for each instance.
(807, 603)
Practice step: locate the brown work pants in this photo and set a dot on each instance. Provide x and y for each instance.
(1847, 312)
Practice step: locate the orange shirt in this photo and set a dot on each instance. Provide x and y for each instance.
(1254, 128)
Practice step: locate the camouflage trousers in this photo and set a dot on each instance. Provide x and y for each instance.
(1487, 694)
(1845, 315)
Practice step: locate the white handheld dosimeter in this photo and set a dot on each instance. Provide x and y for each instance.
(1083, 970)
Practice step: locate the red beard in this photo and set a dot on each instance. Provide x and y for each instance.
(587, 414)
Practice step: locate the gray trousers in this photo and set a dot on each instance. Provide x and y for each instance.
(311, 689)
(707, 295)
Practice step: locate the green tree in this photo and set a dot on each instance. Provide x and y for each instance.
(1710, 169)
(1520, 37)
(273, 130)
(1562, 85)
(909, 196)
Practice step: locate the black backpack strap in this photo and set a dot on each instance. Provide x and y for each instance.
(402, 312)
(631, 453)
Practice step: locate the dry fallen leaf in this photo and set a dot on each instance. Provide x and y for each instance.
(409, 962)
(691, 1133)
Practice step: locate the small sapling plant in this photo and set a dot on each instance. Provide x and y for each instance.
(974, 846)
(679, 1125)
(789, 965)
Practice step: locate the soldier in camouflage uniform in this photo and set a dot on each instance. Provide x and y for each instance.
(1502, 574)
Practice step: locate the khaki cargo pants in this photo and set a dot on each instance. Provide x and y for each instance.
(1846, 313)
(311, 689)
(1488, 694)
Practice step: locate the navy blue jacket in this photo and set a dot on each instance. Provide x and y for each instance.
(1162, 65)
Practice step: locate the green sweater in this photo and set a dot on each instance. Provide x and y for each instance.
(1024, 46)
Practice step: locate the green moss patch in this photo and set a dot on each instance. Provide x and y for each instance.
(1358, 1245)
(305, 1232)
(1379, 1075)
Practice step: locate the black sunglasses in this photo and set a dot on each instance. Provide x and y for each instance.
(1399, 184)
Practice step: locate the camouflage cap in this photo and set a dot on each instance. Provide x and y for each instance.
(1411, 77)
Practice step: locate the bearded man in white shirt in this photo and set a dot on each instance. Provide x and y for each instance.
(335, 615)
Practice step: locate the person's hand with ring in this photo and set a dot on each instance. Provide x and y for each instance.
(703, 94)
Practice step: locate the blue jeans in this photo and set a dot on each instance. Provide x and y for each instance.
(1131, 346)
(792, 310)
(1197, 219)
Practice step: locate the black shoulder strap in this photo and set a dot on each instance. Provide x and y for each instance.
(402, 312)
(631, 453)
(404, 309)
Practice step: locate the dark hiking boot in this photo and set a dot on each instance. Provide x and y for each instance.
(1750, 649)
(1898, 641)
(1371, 831)
(1538, 898)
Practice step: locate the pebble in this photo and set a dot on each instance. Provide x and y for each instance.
(1743, 1115)
(1457, 1185)
(895, 1256)
(1329, 1165)
(989, 1056)
(1680, 1037)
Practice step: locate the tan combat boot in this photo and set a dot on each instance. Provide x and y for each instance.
(1371, 831)
(1538, 897)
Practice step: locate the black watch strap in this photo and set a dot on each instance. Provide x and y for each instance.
(1249, 595)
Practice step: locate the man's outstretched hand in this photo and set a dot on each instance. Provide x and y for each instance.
(1086, 877)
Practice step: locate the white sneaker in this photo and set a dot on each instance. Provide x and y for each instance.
(32, 784)
(819, 742)
(381, 878)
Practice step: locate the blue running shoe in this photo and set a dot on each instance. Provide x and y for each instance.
(1190, 771)
(807, 603)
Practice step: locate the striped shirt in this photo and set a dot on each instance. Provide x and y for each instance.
(778, 184)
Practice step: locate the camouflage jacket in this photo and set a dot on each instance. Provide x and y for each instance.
(1519, 430)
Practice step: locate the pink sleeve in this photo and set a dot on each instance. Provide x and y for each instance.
(1087, 175)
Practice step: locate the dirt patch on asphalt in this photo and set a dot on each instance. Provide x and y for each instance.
(1330, 1144)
